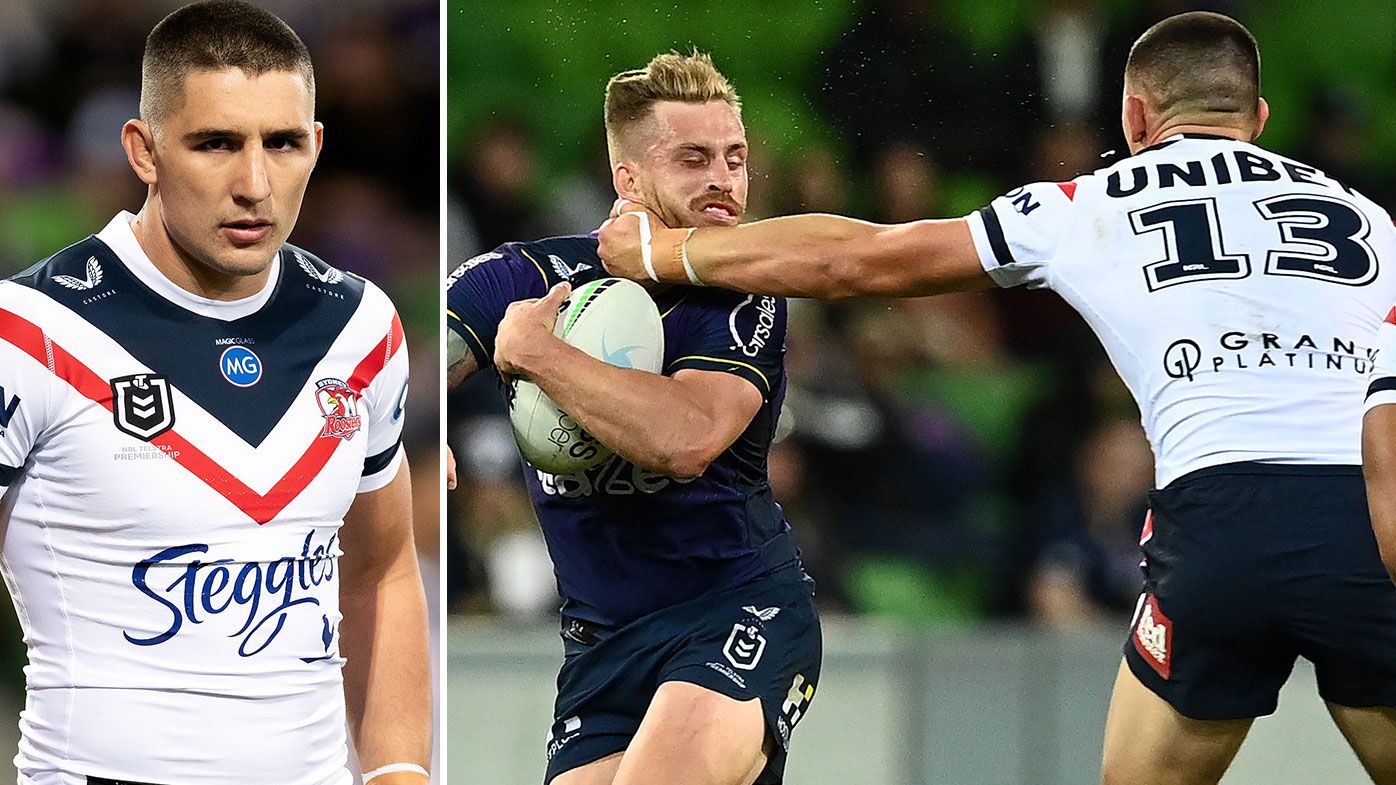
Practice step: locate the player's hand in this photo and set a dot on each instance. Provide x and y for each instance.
(526, 333)
(641, 247)
(450, 468)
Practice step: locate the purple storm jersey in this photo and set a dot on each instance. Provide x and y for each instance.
(626, 541)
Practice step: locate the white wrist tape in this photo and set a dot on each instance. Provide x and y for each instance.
(395, 767)
(647, 246)
(688, 268)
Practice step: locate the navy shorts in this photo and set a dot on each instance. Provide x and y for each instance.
(760, 640)
(1249, 566)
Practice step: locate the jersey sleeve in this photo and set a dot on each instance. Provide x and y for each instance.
(382, 406)
(1381, 387)
(479, 291)
(25, 385)
(1017, 235)
(740, 334)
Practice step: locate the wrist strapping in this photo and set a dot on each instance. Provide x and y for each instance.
(394, 768)
(647, 246)
(687, 266)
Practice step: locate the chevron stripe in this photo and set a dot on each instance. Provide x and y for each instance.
(261, 508)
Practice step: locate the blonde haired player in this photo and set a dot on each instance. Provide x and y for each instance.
(691, 641)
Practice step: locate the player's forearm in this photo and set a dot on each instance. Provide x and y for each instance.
(798, 256)
(650, 420)
(387, 681)
(829, 257)
(1379, 469)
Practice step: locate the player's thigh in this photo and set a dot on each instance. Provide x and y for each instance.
(1372, 733)
(598, 772)
(692, 735)
(1147, 742)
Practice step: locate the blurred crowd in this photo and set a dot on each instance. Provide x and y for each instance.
(70, 78)
(942, 460)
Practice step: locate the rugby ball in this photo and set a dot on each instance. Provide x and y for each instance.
(613, 320)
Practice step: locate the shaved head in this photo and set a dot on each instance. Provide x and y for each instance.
(1197, 67)
(215, 35)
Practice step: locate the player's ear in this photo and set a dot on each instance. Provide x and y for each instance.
(138, 140)
(1135, 119)
(624, 179)
(319, 138)
(1262, 113)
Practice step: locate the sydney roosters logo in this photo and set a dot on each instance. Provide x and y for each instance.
(340, 407)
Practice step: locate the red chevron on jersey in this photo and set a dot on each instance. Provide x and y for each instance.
(1391, 316)
(261, 508)
(1069, 189)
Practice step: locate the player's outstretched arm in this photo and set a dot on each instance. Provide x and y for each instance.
(383, 635)
(1379, 468)
(672, 425)
(827, 257)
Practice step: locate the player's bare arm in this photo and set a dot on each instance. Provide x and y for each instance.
(827, 257)
(1379, 468)
(460, 361)
(384, 640)
(673, 425)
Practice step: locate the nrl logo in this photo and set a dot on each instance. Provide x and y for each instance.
(329, 277)
(744, 647)
(340, 407)
(92, 281)
(142, 405)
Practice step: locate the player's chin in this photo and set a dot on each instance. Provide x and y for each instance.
(249, 259)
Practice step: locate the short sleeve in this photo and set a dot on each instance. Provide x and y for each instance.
(24, 392)
(729, 332)
(1017, 235)
(479, 291)
(1381, 387)
(382, 404)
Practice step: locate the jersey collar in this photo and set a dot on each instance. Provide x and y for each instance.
(118, 236)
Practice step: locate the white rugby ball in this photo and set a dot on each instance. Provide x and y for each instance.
(613, 320)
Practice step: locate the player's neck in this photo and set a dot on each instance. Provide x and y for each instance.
(1210, 130)
(182, 269)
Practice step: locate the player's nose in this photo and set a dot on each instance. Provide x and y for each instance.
(720, 176)
(251, 181)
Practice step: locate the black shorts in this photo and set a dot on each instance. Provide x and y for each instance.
(1250, 566)
(760, 640)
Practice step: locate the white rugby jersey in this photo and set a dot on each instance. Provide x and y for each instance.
(177, 471)
(1237, 292)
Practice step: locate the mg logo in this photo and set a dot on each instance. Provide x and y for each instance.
(8, 407)
(142, 405)
(240, 366)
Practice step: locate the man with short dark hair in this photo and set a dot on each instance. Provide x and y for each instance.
(206, 501)
(1238, 293)
(691, 640)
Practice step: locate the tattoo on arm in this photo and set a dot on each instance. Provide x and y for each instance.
(460, 361)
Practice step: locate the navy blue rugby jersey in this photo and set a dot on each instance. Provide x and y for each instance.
(626, 541)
